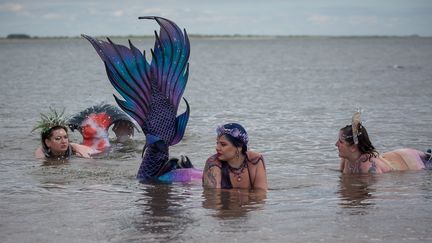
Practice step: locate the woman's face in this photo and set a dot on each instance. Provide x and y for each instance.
(58, 142)
(343, 146)
(122, 131)
(225, 150)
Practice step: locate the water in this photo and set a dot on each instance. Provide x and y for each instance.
(291, 94)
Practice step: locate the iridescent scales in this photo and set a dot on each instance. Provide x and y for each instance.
(151, 92)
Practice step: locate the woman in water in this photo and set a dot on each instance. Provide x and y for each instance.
(55, 139)
(358, 155)
(93, 124)
(233, 166)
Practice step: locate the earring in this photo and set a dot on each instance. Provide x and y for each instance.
(237, 154)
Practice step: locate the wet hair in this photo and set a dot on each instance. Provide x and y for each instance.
(364, 144)
(241, 138)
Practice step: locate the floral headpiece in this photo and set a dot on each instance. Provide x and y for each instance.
(50, 120)
(236, 131)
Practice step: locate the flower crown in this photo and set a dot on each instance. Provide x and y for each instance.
(234, 132)
(50, 120)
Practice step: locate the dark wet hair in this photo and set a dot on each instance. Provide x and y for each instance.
(241, 138)
(364, 144)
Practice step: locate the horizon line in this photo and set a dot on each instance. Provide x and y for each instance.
(26, 36)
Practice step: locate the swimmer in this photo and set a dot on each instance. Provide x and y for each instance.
(358, 155)
(55, 139)
(233, 165)
(93, 124)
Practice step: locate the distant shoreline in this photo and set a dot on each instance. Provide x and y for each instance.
(198, 36)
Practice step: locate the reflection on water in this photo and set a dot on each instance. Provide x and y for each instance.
(228, 204)
(163, 215)
(356, 191)
(54, 162)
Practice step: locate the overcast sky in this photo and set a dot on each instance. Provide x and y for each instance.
(266, 17)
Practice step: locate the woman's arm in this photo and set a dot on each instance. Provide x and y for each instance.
(83, 151)
(260, 176)
(211, 175)
(342, 165)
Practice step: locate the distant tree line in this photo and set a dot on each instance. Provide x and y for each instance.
(18, 36)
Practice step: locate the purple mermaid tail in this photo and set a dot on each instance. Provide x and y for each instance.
(152, 93)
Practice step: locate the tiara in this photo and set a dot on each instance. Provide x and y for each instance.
(234, 132)
(356, 125)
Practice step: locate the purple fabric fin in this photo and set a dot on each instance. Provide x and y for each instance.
(128, 72)
(181, 122)
(170, 59)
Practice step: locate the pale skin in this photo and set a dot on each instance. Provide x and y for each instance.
(396, 160)
(58, 143)
(226, 151)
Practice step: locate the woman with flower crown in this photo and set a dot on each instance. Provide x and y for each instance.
(358, 155)
(233, 165)
(55, 139)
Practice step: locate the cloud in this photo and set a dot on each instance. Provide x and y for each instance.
(360, 20)
(11, 7)
(118, 13)
(321, 19)
(53, 16)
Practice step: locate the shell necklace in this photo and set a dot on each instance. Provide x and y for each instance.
(238, 171)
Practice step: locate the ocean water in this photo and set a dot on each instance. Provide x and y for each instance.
(291, 94)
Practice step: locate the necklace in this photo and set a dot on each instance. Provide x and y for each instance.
(238, 171)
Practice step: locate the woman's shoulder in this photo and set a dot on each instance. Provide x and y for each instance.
(39, 154)
(213, 161)
(254, 157)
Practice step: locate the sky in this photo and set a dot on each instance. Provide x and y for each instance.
(46, 18)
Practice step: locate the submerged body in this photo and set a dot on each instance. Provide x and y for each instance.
(249, 177)
(233, 165)
(358, 155)
(56, 145)
(396, 160)
(93, 124)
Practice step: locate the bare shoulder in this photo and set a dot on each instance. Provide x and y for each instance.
(371, 166)
(255, 157)
(39, 154)
(213, 161)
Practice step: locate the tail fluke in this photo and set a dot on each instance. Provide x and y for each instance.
(128, 72)
(181, 122)
(170, 59)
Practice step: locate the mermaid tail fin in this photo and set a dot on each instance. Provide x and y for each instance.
(129, 73)
(181, 122)
(152, 92)
(170, 59)
(134, 78)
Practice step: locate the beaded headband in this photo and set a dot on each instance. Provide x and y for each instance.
(234, 132)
